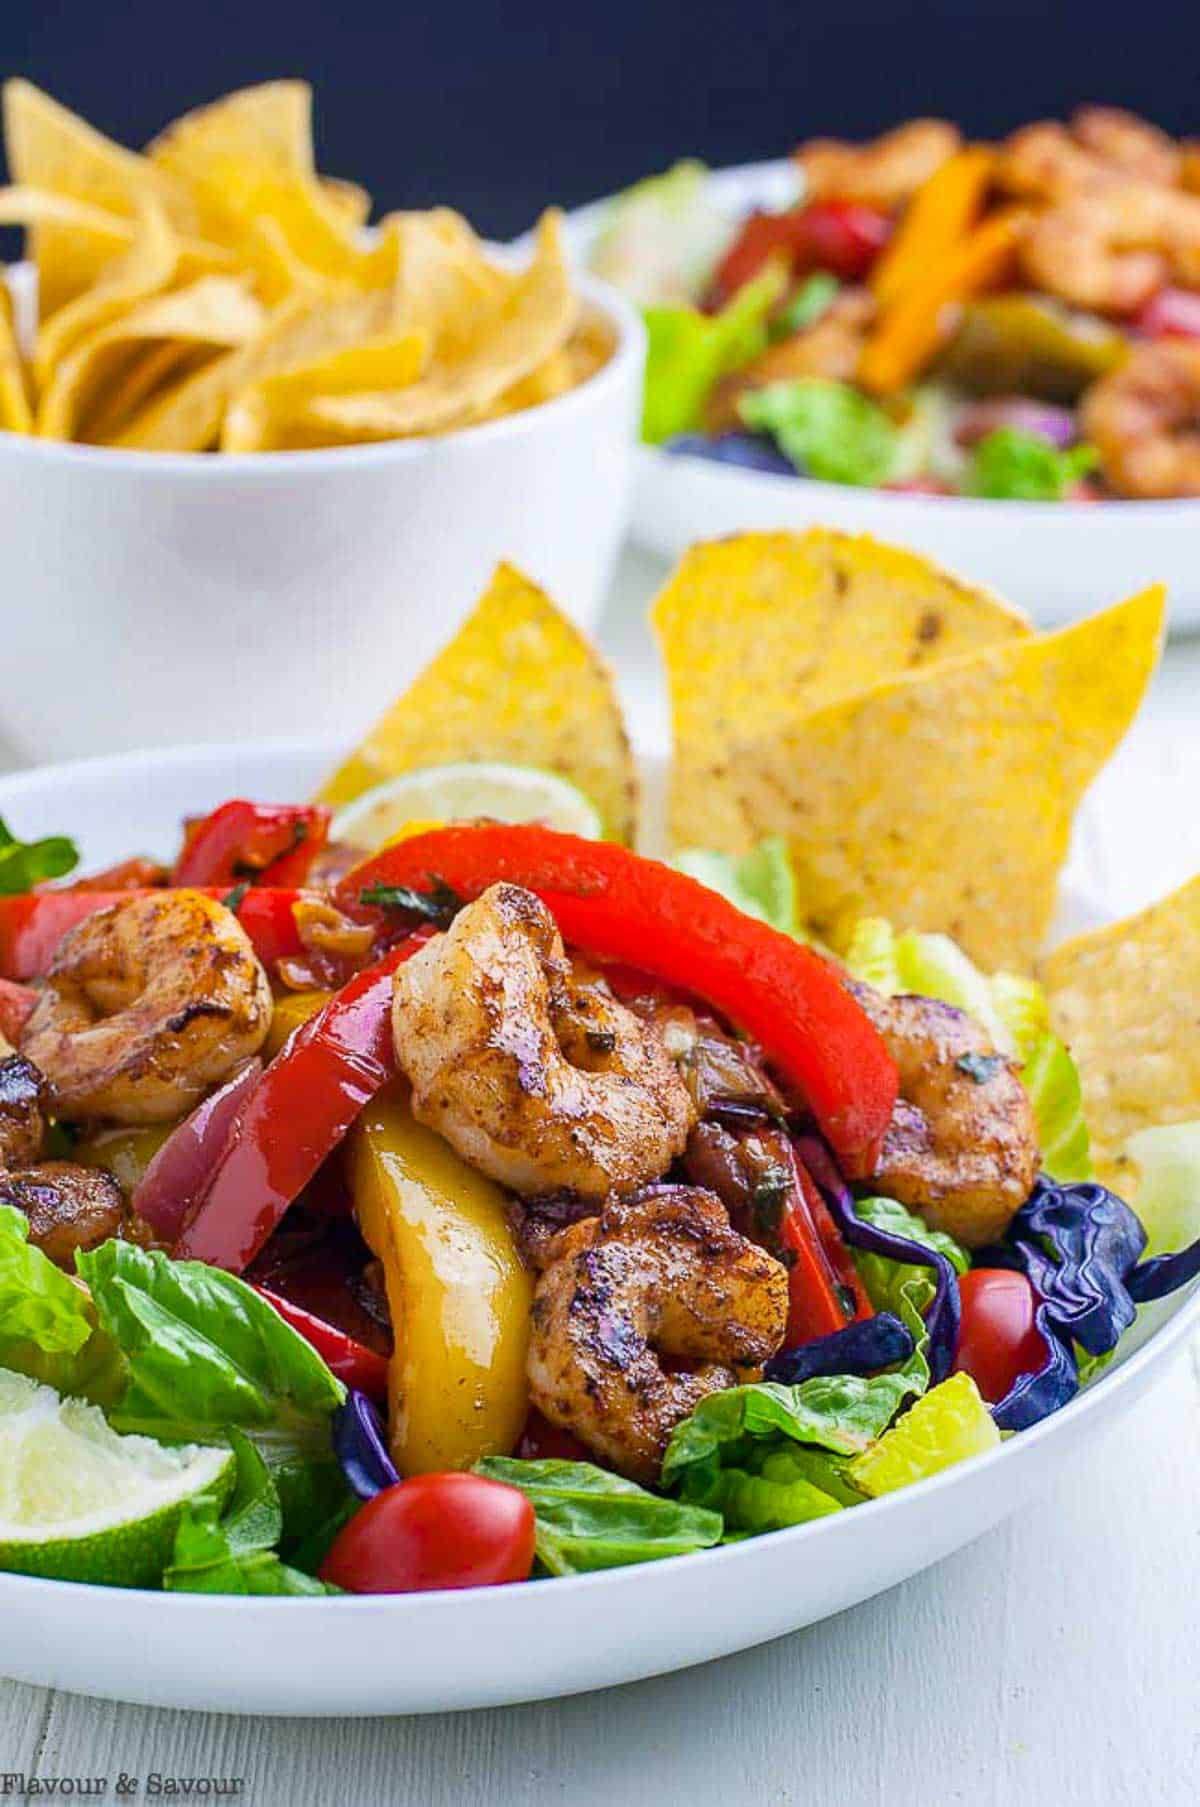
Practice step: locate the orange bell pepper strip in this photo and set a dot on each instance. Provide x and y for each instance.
(910, 333)
(614, 905)
(941, 212)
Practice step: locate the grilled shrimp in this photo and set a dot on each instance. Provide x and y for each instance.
(1110, 248)
(22, 1112)
(539, 1078)
(660, 1276)
(962, 1147)
(886, 172)
(1130, 143)
(146, 1005)
(1144, 420)
(68, 1207)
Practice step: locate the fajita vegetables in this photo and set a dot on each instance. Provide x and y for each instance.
(215, 293)
(1018, 320)
(418, 1187)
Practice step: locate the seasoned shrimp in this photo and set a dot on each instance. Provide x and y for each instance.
(962, 1145)
(22, 1112)
(146, 1005)
(539, 1078)
(886, 172)
(1144, 420)
(1043, 162)
(1132, 144)
(661, 1276)
(1110, 247)
(68, 1207)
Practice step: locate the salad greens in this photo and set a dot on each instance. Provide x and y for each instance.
(760, 883)
(1011, 465)
(589, 1519)
(24, 864)
(689, 351)
(1168, 1160)
(49, 1330)
(813, 298)
(660, 239)
(233, 1551)
(828, 430)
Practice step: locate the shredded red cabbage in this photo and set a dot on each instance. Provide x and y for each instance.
(945, 1311)
(358, 1443)
(861, 1348)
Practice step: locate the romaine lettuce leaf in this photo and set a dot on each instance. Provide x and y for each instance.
(689, 351)
(828, 430)
(1011, 465)
(235, 1551)
(48, 1325)
(590, 1519)
(1168, 1187)
(1011, 1008)
(24, 864)
(761, 883)
(901, 1287)
(660, 239)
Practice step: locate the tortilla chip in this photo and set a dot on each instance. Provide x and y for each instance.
(759, 629)
(517, 682)
(270, 123)
(217, 311)
(260, 415)
(478, 353)
(942, 799)
(51, 148)
(16, 414)
(138, 374)
(349, 201)
(1126, 1000)
(147, 268)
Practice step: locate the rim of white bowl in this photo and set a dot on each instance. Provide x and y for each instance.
(215, 468)
(1168, 1336)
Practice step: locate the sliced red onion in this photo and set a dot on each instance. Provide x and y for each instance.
(361, 1448)
(175, 1179)
(1058, 426)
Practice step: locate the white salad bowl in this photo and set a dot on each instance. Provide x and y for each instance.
(485, 1646)
(153, 598)
(1057, 559)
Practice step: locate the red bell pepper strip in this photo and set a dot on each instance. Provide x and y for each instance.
(136, 874)
(33, 923)
(615, 905)
(844, 237)
(264, 843)
(824, 1290)
(355, 1365)
(309, 1096)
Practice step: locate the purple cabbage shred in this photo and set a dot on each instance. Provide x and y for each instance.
(359, 1445)
(861, 1348)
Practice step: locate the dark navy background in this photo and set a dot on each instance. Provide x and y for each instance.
(498, 108)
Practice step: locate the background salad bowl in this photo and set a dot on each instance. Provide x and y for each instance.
(1053, 559)
(151, 598)
(421, 1652)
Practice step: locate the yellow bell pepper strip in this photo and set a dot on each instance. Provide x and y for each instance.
(125, 1153)
(910, 333)
(941, 212)
(291, 1009)
(459, 1296)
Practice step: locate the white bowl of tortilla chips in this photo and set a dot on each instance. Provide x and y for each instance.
(257, 458)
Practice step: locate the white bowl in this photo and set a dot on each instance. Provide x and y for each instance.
(487, 1646)
(1058, 559)
(150, 598)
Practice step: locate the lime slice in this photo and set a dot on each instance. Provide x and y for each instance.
(80, 1503)
(949, 1424)
(460, 792)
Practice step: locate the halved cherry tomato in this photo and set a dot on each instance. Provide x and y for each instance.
(264, 843)
(615, 905)
(434, 1531)
(999, 1339)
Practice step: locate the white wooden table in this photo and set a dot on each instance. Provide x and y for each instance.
(1056, 1660)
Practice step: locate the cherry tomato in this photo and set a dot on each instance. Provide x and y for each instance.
(999, 1339)
(435, 1530)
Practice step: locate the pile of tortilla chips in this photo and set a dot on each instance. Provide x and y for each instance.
(922, 752)
(216, 293)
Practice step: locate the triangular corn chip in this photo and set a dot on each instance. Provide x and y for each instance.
(49, 147)
(16, 414)
(1126, 1000)
(216, 311)
(517, 682)
(259, 416)
(759, 629)
(942, 799)
(149, 265)
(271, 123)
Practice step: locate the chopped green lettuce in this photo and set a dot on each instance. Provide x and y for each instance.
(235, 1551)
(660, 239)
(48, 1325)
(1011, 1008)
(1168, 1188)
(688, 352)
(814, 297)
(590, 1519)
(829, 430)
(1010, 465)
(761, 883)
(24, 864)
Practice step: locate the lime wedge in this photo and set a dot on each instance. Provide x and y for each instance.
(949, 1424)
(460, 792)
(80, 1503)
